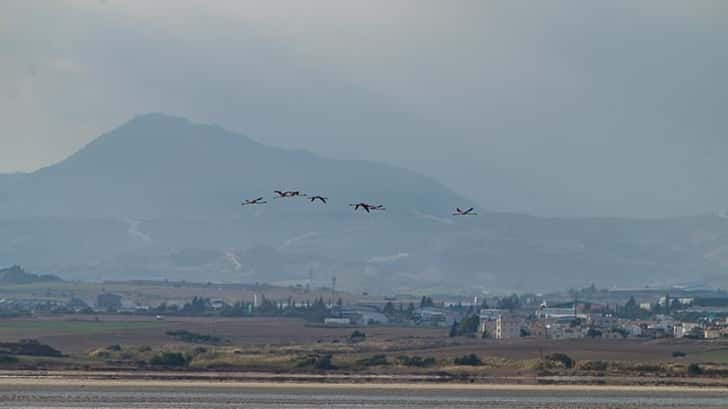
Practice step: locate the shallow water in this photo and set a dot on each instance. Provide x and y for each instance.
(156, 397)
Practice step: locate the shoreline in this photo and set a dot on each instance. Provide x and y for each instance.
(272, 381)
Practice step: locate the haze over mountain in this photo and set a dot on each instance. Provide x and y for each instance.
(159, 197)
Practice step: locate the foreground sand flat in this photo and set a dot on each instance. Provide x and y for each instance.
(349, 382)
(43, 392)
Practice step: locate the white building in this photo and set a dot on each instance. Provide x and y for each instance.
(507, 327)
(634, 330)
(337, 321)
(557, 330)
(558, 313)
(683, 328)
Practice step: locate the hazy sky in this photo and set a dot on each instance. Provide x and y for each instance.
(552, 108)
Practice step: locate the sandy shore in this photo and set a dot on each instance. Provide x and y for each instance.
(81, 379)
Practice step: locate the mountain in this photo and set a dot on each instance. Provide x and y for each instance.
(159, 197)
(159, 166)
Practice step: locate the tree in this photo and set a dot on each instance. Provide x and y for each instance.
(469, 325)
(198, 305)
(454, 329)
(509, 303)
(316, 312)
(667, 303)
(631, 310)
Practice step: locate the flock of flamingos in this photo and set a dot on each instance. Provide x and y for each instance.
(283, 194)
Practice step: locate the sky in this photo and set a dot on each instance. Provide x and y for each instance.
(561, 108)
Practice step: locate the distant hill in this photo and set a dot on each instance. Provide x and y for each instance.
(159, 197)
(158, 165)
(16, 275)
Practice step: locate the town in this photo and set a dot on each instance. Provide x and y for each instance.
(646, 313)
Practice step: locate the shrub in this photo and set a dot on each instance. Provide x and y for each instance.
(416, 361)
(695, 369)
(357, 336)
(563, 358)
(170, 359)
(376, 360)
(115, 347)
(678, 354)
(594, 366)
(322, 362)
(470, 360)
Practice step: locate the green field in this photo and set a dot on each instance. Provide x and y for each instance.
(719, 356)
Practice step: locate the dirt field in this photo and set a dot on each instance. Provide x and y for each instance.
(78, 334)
(581, 349)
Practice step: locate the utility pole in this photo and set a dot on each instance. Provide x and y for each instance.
(333, 291)
(667, 303)
(309, 285)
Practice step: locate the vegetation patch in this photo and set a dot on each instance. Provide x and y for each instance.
(8, 359)
(357, 336)
(716, 356)
(321, 362)
(694, 369)
(416, 361)
(594, 365)
(171, 360)
(28, 347)
(468, 360)
(194, 337)
(375, 360)
(563, 359)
